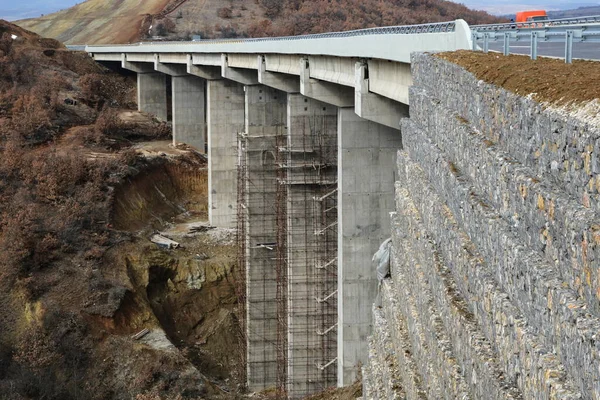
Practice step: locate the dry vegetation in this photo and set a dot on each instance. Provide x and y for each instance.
(67, 304)
(297, 17)
(130, 21)
(78, 275)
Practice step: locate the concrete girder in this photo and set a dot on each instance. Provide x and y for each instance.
(239, 75)
(139, 57)
(374, 107)
(207, 59)
(138, 67)
(202, 71)
(285, 83)
(390, 79)
(327, 92)
(169, 69)
(337, 70)
(283, 63)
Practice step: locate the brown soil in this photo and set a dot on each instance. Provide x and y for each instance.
(351, 392)
(160, 193)
(547, 79)
(96, 21)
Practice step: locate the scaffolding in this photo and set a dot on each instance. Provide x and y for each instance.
(311, 222)
(258, 189)
(281, 268)
(287, 248)
(241, 240)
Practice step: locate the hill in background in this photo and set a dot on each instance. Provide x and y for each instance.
(577, 12)
(96, 22)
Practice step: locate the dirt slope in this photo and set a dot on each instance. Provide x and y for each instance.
(96, 21)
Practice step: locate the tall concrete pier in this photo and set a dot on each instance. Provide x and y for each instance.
(225, 120)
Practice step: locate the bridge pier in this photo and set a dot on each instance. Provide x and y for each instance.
(310, 178)
(152, 94)
(189, 111)
(257, 197)
(225, 106)
(366, 176)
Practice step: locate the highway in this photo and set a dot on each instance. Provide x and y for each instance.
(589, 50)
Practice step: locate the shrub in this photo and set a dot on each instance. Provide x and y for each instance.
(225, 12)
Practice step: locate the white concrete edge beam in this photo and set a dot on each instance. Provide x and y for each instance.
(276, 80)
(327, 92)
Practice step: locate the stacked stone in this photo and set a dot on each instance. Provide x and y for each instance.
(496, 245)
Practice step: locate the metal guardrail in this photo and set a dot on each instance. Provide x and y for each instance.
(439, 27)
(595, 19)
(568, 30)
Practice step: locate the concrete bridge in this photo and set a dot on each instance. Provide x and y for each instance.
(301, 135)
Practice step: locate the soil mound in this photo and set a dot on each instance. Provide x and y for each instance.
(546, 79)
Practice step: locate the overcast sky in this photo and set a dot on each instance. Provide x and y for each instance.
(19, 9)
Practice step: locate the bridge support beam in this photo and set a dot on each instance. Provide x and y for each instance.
(202, 71)
(311, 180)
(374, 107)
(327, 92)
(189, 112)
(366, 176)
(240, 75)
(283, 82)
(264, 127)
(225, 120)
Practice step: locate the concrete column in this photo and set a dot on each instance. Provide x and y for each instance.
(225, 119)
(366, 176)
(311, 245)
(264, 123)
(189, 121)
(152, 94)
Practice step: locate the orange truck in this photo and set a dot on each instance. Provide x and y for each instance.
(531, 16)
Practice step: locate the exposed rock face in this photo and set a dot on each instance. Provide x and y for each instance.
(494, 285)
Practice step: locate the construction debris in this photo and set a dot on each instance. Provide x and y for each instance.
(200, 228)
(140, 334)
(163, 241)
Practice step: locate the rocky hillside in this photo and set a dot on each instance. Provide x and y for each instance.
(93, 22)
(84, 184)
